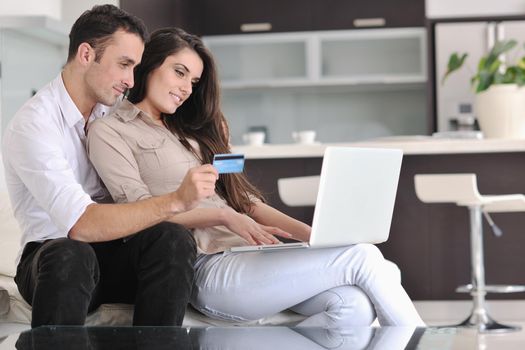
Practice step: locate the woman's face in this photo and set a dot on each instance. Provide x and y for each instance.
(171, 84)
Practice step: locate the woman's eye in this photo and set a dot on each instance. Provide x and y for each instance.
(179, 72)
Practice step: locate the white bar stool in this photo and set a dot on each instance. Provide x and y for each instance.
(298, 191)
(462, 189)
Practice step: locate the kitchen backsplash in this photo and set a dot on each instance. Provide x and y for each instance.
(338, 115)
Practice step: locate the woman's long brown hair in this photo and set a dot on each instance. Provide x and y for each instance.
(199, 118)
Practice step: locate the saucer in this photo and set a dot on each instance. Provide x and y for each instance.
(307, 143)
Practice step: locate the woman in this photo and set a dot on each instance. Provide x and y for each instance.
(171, 122)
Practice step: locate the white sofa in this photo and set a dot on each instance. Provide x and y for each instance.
(14, 309)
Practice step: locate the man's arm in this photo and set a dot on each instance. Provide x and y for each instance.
(35, 152)
(104, 222)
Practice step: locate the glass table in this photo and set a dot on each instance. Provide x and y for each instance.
(175, 338)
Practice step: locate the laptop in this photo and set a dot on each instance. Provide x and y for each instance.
(355, 199)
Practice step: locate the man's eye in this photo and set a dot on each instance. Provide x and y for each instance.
(124, 65)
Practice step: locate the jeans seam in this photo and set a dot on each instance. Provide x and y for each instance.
(219, 315)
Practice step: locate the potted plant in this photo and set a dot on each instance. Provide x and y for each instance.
(499, 103)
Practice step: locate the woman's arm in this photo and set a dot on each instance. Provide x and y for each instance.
(266, 215)
(240, 224)
(200, 218)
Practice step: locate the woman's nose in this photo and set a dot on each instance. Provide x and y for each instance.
(187, 87)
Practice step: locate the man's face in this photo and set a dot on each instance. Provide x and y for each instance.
(109, 78)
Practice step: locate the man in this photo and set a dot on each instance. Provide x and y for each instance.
(78, 254)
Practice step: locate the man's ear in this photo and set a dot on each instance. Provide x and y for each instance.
(85, 54)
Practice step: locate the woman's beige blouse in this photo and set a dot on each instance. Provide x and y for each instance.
(138, 159)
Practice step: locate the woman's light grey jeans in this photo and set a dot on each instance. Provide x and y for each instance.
(333, 287)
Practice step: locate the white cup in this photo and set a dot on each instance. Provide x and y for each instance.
(254, 138)
(304, 136)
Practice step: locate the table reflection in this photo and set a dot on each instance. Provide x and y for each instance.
(218, 338)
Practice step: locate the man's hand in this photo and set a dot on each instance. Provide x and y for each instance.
(199, 183)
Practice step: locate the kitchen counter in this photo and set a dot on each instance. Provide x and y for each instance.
(411, 145)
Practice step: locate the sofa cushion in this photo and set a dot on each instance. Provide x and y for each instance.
(13, 308)
(10, 233)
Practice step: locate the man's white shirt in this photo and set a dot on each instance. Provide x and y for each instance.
(48, 174)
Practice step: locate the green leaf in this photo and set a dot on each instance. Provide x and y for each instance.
(498, 79)
(521, 63)
(498, 48)
(490, 69)
(502, 47)
(485, 80)
(455, 62)
(509, 76)
(493, 68)
(520, 76)
(482, 63)
(520, 79)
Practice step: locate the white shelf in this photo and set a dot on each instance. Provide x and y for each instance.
(373, 57)
(376, 83)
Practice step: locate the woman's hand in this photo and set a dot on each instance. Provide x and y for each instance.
(198, 183)
(250, 230)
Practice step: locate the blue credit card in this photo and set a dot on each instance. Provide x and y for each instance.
(228, 163)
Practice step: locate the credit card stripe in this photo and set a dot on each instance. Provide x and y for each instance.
(229, 157)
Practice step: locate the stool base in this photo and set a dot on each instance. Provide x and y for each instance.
(493, 288)
(485, 324)
(479, 318)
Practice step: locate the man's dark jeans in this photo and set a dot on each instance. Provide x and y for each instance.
(64, 279)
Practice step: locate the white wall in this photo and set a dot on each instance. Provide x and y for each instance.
(63, 10)
(22, 73)
(50, 8)
(72, 9)
(473, 8)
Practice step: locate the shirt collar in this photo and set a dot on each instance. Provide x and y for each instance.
(69, 110)
(127, 111)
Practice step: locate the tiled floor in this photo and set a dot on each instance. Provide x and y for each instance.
(435, 313)
(439, 313)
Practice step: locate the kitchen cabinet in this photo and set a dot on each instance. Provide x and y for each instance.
(324, 58)
(347, 14)
(212, 17)
(244, 16)
(241, 16)
(166, 13)
(348, 85)
(261, 60)
(454, 9)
